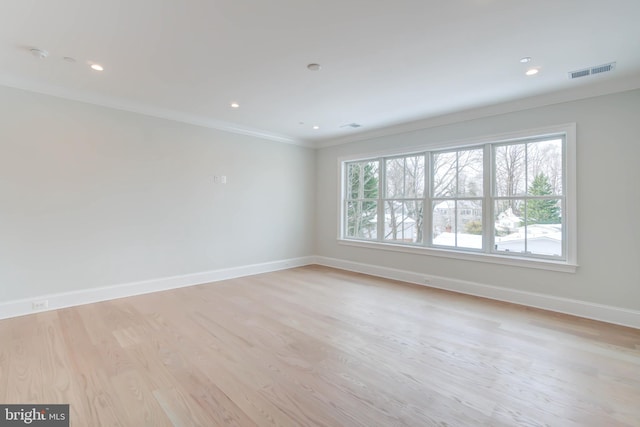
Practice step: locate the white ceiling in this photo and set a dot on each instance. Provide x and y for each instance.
(383, 62)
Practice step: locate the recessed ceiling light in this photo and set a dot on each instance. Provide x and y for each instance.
(316, 127)
(525, 60)
(532, 72)
(314, 67)
(97, 67)
(235, 105)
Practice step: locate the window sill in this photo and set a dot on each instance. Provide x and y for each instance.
(541, 264)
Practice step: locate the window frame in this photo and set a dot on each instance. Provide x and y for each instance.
(568, 263)
(434, 199)
(346, 200)
(525, 196)
(384, 199)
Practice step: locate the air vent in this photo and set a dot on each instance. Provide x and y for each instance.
(603, 68)
(593, 70)
(579, 73)
(351, 125)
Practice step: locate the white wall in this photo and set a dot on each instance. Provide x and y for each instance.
(92, 197)
(608, 159)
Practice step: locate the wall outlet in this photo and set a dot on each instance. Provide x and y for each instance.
(40, 305)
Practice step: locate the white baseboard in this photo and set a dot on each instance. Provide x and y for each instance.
(585, 309)
(86, 296)
(605, 313)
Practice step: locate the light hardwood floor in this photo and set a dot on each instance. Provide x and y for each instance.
(315, 346)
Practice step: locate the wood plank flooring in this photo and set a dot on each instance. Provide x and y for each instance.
(315, 346)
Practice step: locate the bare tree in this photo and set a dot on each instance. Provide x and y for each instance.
(545, 157)
(404, 182)
(457, 173)
(444, 174)
(510, 172)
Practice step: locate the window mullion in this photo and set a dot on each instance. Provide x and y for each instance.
(381, 197)
(428, 201)
(564, 201)
(526, 198)
(488, 188)
(455, 201)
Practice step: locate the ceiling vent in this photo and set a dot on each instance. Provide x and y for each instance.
(593, 70)
(351, 125)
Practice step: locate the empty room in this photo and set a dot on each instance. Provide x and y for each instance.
(319, 213)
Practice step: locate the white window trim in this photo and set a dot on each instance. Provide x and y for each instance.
(569, 265)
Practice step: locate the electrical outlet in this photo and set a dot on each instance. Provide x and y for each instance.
(40, 305)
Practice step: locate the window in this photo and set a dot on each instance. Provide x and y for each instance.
(361, 203)
(499, 199)
(404, 180)
(528, 197)
(458, 191)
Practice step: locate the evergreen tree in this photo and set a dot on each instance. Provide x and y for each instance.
(473, 227)
(542, 211)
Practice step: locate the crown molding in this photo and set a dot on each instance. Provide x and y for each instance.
(557, 97)
(551, 98)
(147, 110)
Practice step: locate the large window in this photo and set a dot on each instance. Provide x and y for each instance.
(510, 198)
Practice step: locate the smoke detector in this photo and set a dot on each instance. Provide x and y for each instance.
(39, 53)
(604, 68)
